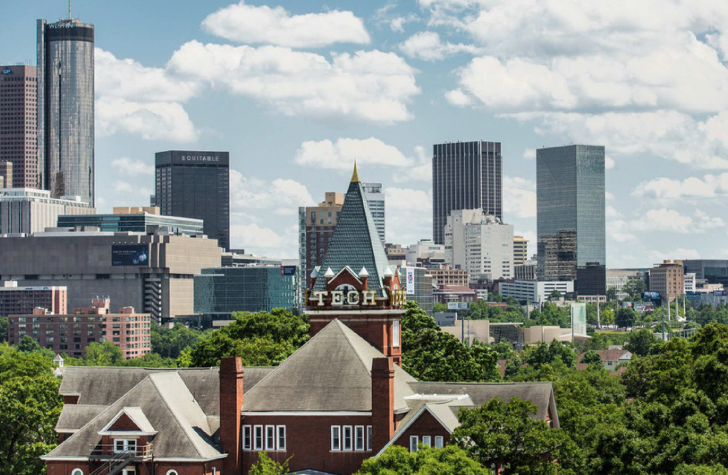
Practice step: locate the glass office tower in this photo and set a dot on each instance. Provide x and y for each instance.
(195, 184)
(465, 175)
(570, 197)
(375, 198)
(66, 108)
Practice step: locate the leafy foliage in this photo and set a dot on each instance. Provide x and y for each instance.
(267, 466)
(396, 460)
(170, 342)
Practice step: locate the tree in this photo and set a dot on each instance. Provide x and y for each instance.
(450, 460)
(3, 329)
(507, 435)
(28, 345)
(438, 307)
(590, 357)
(103, 354)
(640, 341)
(611, 294)
(169, 342)
(551, 353)
(625, 317)
(555, 295)
(30, 408)
(634, 288)
(267, 466)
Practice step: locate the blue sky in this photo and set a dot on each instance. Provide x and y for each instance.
(297, 90)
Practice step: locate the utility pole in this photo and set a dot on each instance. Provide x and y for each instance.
(598, 323)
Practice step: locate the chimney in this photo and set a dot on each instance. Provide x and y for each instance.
(382, 402)
(231, 403)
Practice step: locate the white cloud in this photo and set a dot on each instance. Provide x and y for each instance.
(262, 24)
(692, 187)
(707, 222)
(619, 231)
(133, 194)
(409, 215)
(611, 212)
(428, 46)
(367, 85)
(529, 154)
(519, 197)
(281, 196)
(132, 167)
(608, 162)
(150, 120)
(261, 240)
(395, 21)
(679, 253)
(664, 220)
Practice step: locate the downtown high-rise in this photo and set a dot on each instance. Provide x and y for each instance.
(570, 200)
(18, 122)
(65, 74)
(465, 175)
(375, 198)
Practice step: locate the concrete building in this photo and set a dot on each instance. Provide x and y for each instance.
(454, 293)
(520, 250)
(715, 271)
(134, 219)
(196, 184)
(667, 278)
(375, 197)
(238, 258)
(570, 197)
(690, 284)
(546, 334)
(465, 175)
(420, 289)
(525, 271)
(71, 334)
(18, 124)
(479, 243)
(65, 74)
(16, 300)
(425, 249)
(29, 210)
(152, 272)
(221, 291)
(316, 225)
(618, 278)
(445, 275)
(533, 291)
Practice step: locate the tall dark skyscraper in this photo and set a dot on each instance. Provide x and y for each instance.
(196, 184)
(570, 197)
(465, 175)
(18, 122)
(66, 108)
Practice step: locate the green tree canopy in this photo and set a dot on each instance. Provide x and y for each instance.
(396, 460)
(591, 357)
(639, 342)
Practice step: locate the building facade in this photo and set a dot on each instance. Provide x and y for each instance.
(690, 282)
(465, 175)
(715, 271)
(446, 275)
(29, 210)
(425, 249)
(6, 174)
(196, 184)
(667, 278)
(71, 334)
(618, 278)
(16, 300)
(316, 225)
(65, 74)
(533, 291)
(151, 272)
(134, 220)
(420, 288)
(479, 243)
(375, 197)
(520, 250)
(221, 291)
(556, 257)
(570, 195)
(525, 271)
(18, 124)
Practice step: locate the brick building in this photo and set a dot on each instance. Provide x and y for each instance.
(339, 399)
(71, 334)
(668, 278)
(18, 125)
(22, 300)
(316, 227)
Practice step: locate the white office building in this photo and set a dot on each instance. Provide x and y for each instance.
(534, 291)
(28, 210)
(479, 243)
(691, 284)
(424, 249)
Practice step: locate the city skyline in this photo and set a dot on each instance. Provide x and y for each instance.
(664, 133)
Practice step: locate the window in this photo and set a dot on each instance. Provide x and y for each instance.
(335, 438)
(172, 472)
(427, 440)
(439, 442)
(395, 333)
(281, 437)
(359, 439)
(270, 437)
(77, 471)
(247, 438)
(347, 437)
(258, 438)
(413, 443)
(124, 445)
(369, 438)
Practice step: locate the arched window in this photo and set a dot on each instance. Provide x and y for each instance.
(172, 472)
(77, 471)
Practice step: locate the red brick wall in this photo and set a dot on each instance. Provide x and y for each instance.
(231, 402)
(425, 424)
(161, 468)
(308, 441)
(368, 326)
(382, 401)
(124, 423)
(66, 468)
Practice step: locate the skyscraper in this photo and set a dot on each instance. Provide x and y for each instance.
(18, 122)
(570, 197)
(316, 226)
(194, 184)
(465, 175)
(375, 198)
(65, 75)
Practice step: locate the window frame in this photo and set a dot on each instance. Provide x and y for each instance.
(336, 439)
(350, 430)
(359, 431)
(427, 440)
(414, 442)
(77, 471)
(248, 440)
(370, 438)
(281, 430)
(396, 333)
(270, 436)
(257, 446)
(439, 442)
(172, 472)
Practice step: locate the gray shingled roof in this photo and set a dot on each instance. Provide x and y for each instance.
(331, 372)
(355, 242)
(75, 416)
(169, 406)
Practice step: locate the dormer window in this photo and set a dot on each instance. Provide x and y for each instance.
(124, 445)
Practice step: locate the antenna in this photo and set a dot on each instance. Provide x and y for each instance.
(69, 10)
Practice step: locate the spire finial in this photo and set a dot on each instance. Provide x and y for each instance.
(355, 176)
